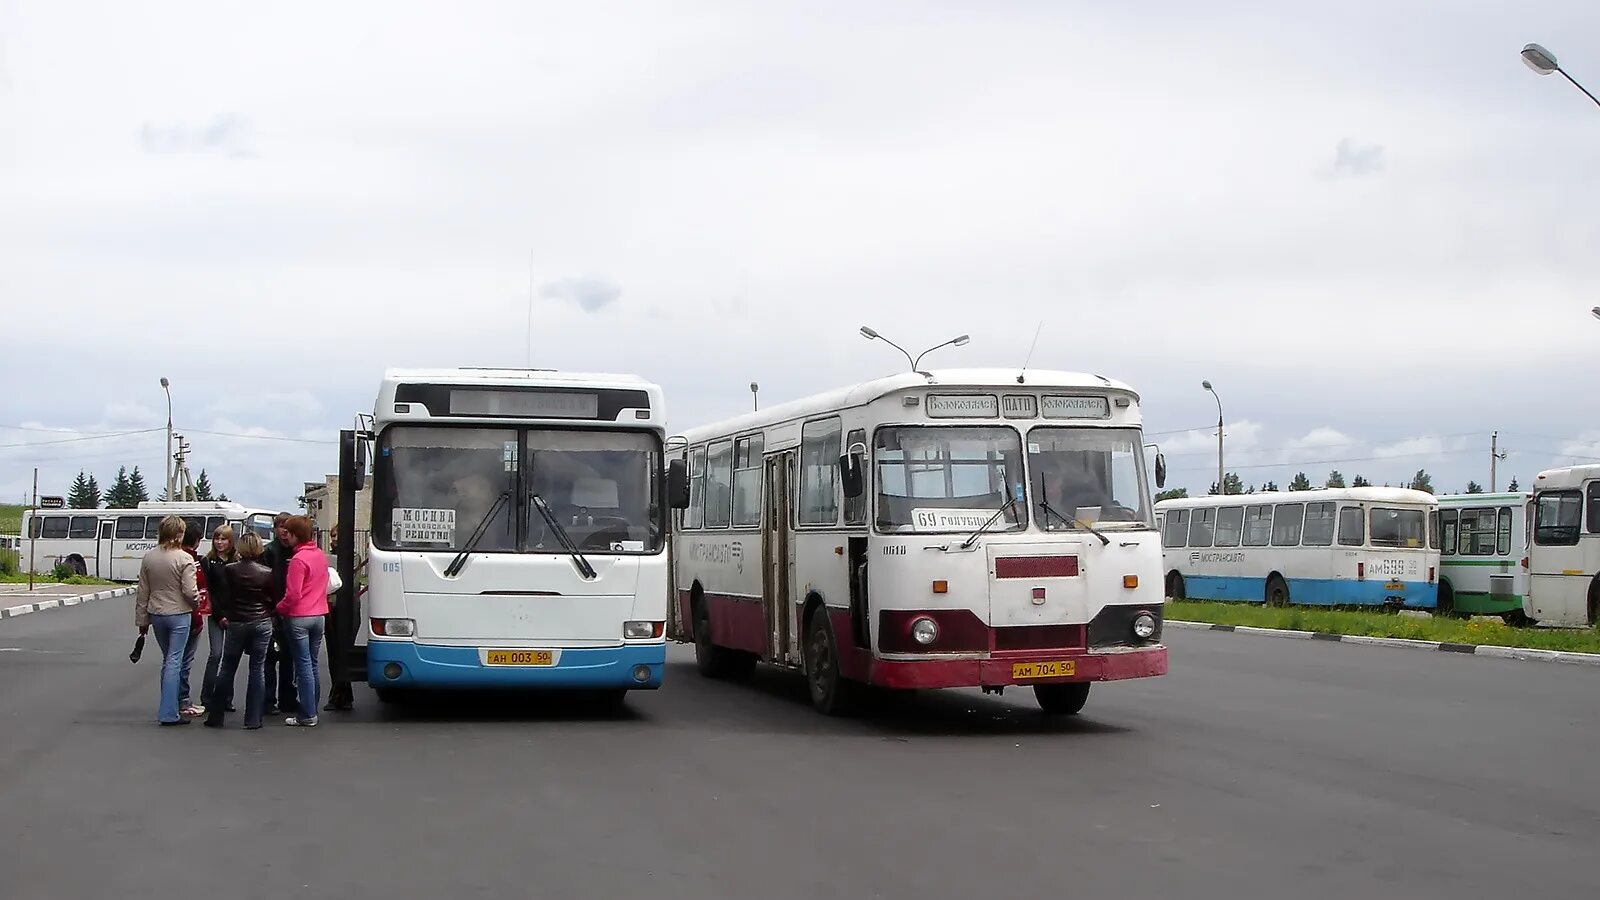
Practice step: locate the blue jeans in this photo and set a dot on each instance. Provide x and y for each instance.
(172, 636)
(280, 667)
(243, 638)
(216, 640)
(305, 639)
(189, 647)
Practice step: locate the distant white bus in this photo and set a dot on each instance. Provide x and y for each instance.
(1483, 561)
(1564, 559)
(109, 543)
(1336, 547)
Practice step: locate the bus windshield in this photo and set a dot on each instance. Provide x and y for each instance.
(1393, 527)
(435, 485)
(1088, 475)
(950, 479)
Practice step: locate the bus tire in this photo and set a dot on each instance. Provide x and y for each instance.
(831, 693)
(711, 660)
(1062, 699)
(1594, 601)
(1175, 586)
(77, 565)
(1277, 590)
(1516, 618)
(1446, 605)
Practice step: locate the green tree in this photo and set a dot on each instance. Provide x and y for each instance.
(78, 497)
(137, 493)
(1361, 481)
(1172, 494)
(1231, 484)
(117, 497)
(1421, 481)
(1268, 487)
(223, 498)
(202, 487)
(94, 493)
(1513, 485)
(1335, 479)
(1300, 482)
(1474, 488)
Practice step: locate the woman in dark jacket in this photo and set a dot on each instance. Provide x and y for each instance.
(247, 607)
(211, 567)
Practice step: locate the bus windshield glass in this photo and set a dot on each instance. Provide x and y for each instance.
(1088, 475)
(949, 479)
(1557, 518)
(435, 485)
(1392, 527)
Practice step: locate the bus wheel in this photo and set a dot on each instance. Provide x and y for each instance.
(1277, 591)
(831, 693)
(713, 661)
(77, 565)
(1062, 699)
(1447, 600)
(1516, 618)
(1175, 586)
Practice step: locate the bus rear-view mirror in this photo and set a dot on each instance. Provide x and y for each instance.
(678, 484)
(1161, 471)
(359, 476)
(850, 475)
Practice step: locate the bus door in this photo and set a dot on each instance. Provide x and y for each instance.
(103, 555)
(777, 555)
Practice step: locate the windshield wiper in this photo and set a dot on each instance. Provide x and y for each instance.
(562, 536)
(460, 562)
(1045, 505)
(1011, 503)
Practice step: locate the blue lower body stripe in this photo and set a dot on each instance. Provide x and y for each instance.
(1314, 591)
(432, 665)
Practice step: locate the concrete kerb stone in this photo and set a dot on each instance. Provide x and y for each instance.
(1523, 653)
(11, 612)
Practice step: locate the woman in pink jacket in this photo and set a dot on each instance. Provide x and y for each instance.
(303, 608)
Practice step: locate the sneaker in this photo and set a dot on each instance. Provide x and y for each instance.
(212, 722)
(303, 723)
(252, 728)
(179, 722)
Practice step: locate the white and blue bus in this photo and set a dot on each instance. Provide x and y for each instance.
(1362, 546)
(111, 543)
(519, 528)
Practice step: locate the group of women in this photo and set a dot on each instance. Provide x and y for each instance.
(247, 593)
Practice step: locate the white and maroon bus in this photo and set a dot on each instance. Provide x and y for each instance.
(963, 528)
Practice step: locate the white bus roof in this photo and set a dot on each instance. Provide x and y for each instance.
(1360, 494)
(1034, 381)
(1474, 499)
(537, 377)
(1568, 477)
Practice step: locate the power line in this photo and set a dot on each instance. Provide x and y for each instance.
(72, 440)
(256, 437)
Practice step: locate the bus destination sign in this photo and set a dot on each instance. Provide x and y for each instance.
(1058, 406)
(529, 404)
(52, 503)
(963, 406)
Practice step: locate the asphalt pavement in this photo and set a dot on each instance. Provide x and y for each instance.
(1257, 768)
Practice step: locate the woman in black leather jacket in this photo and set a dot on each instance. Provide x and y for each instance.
(247, 607)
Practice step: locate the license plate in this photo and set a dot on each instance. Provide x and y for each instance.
(1061, 668)
(1394, 586)
(518, 657)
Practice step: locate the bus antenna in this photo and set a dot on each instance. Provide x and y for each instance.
(1021, 379)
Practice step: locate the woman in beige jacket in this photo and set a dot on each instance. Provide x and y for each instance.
(168, 597)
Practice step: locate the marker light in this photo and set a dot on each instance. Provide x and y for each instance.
(1130, 581)
(639, 631)
(941, 587)
(924, 631)
(394, 627)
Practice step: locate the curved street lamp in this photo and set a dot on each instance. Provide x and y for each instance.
(1544, 62)
(1222, 485)
(958, 341)
(167, 386)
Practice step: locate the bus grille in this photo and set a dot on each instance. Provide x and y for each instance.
(1039, 637)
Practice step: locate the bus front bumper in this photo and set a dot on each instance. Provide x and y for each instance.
(409, 664)
(1112, 664)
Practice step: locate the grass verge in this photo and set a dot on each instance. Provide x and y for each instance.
(47, 579)
(1384, 624)
(11, 518)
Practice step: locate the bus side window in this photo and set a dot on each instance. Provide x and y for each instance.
(695, 516)
(1200, 527)
(1503, 533)
(1447, 531)
(1176, 530)
(719, 485)
(1230, 522)
(1352, 527)
(35, 527)
(130, 528)
(152, 528)
(747, 474)
(1287, 520)
(83, 527)
(1257, 526)
(855, 508)
(55, 527)
(1594, 507)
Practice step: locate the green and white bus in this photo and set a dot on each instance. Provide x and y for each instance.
(1483, 562)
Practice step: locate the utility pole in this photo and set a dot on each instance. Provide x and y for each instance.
(1494, 457)
(33, 542)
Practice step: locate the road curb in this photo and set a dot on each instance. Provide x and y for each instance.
(11, 612)
(1488, 650)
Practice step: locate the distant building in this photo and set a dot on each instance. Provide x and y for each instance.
(321, 502)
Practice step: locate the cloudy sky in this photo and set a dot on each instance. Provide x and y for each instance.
(1368, 224)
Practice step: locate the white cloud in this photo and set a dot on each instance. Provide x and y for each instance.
(1418, 446)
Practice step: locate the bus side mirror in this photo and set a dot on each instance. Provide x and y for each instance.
(850, 475)
(359, 476)
(678, 484)
(1161, 471)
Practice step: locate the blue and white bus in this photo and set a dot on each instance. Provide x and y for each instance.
(519, 528)
(1362, 546)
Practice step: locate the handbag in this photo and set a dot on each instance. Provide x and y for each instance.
(334, 582)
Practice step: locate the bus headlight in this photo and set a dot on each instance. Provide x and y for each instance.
(639, 631)
(394, 628)
(1144, 626)
(925, 631)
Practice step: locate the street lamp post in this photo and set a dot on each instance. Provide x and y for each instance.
(755, 396)
(958, 341)
(1222, 485)
(1544, 62)
(167, 386)
(1595, 312)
